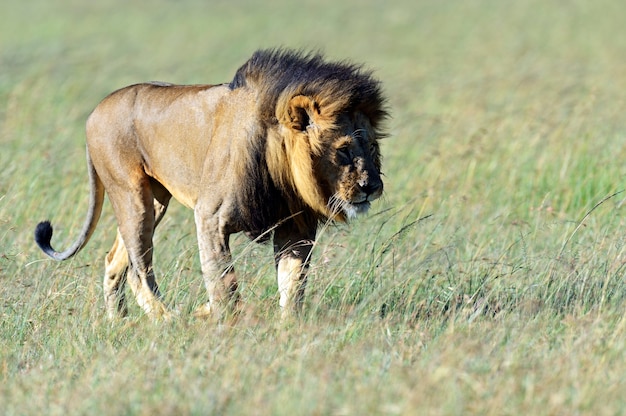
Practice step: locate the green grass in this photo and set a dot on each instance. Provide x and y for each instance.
(488, 280)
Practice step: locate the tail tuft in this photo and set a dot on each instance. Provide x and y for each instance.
(43, 236)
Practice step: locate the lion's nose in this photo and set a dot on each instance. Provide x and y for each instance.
(372, 187)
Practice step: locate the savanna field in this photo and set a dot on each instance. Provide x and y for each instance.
(488, 280)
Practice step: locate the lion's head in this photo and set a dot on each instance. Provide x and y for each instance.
(335, 163)
(323, 123)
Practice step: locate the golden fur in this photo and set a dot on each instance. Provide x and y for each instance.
(290, 142)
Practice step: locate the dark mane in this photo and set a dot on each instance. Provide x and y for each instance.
(336, 86)
(276, 76)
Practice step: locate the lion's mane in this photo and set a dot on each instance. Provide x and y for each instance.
(276, 76)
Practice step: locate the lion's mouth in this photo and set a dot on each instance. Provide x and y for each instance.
(352, 209)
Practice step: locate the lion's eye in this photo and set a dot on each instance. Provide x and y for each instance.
(344, 154)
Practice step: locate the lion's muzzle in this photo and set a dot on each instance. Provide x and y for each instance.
(366, 190)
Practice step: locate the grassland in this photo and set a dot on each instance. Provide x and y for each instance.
(489, 279)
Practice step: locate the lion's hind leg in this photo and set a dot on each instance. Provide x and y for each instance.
(115, 269)
(137, 212)
(116, 266)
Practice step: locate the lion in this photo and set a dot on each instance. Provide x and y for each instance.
(291, 142)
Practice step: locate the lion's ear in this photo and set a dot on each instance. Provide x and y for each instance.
(302, 112)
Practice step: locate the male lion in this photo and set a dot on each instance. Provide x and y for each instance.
(290, 142)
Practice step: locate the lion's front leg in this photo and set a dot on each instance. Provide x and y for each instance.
(217, 269)
(292, 252)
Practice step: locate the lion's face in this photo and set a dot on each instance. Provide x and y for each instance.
(334, 158)
(349, 167)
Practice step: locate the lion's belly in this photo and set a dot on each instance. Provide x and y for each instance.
(181, 185)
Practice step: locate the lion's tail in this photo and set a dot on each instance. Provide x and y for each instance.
(43, 232)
